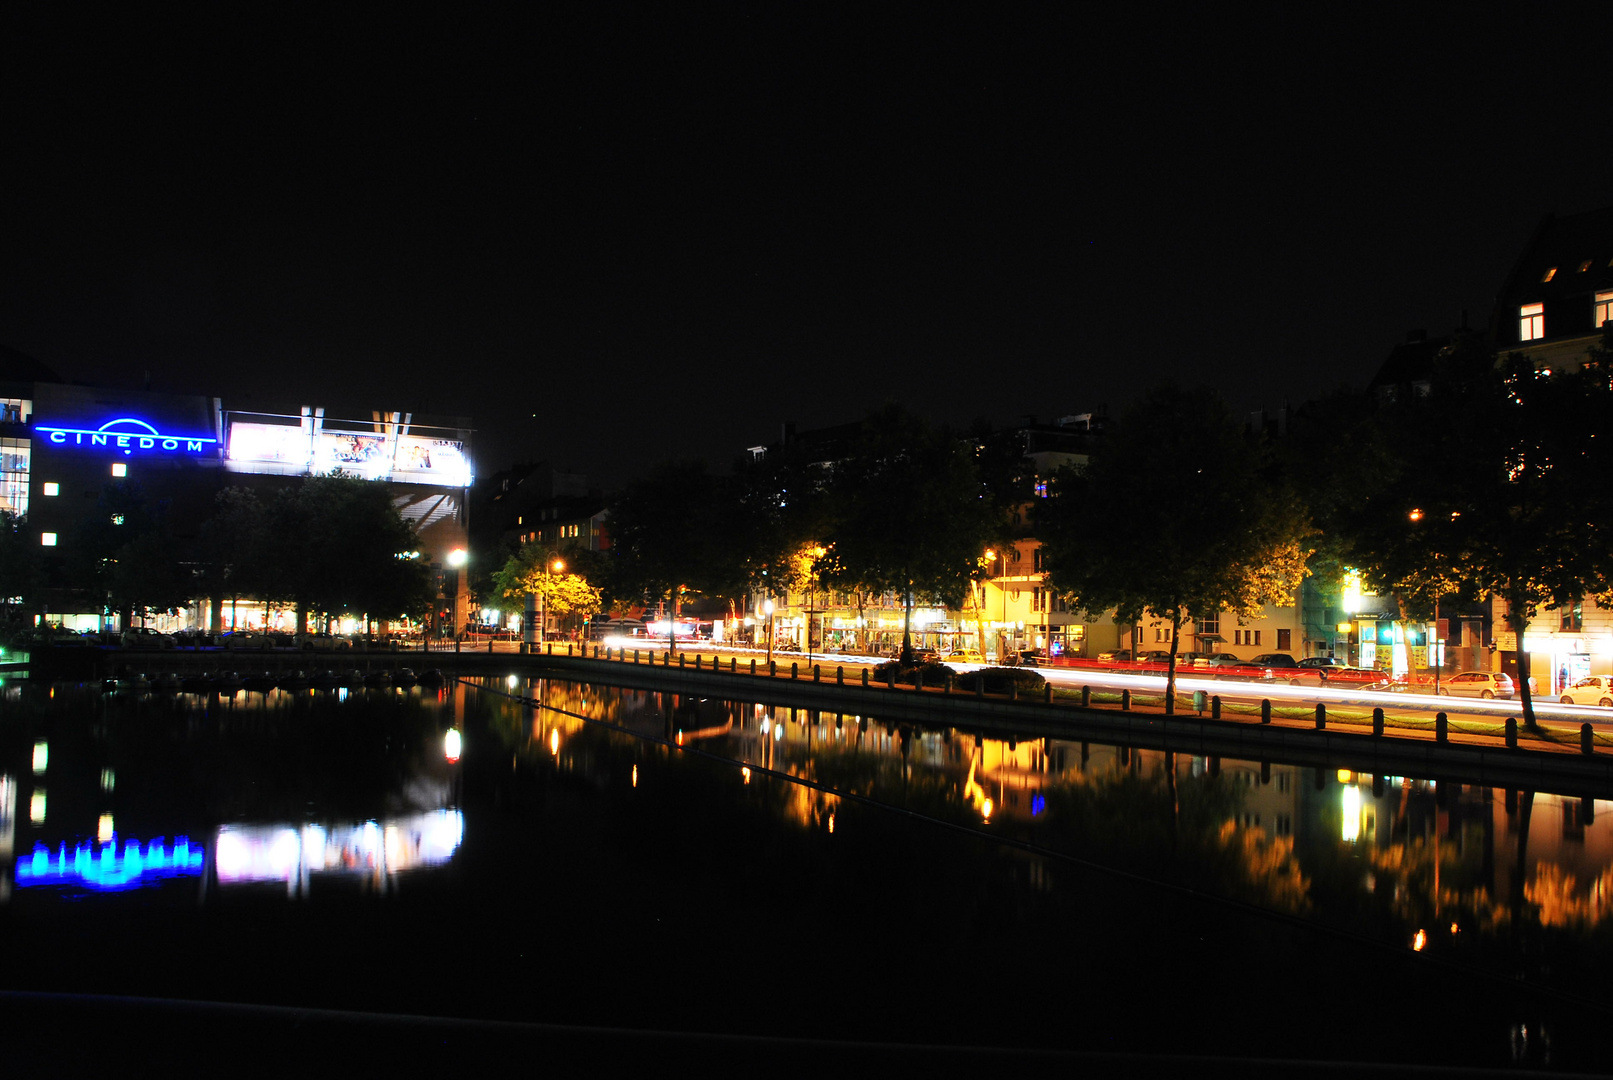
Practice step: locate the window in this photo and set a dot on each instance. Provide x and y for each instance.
(1586, 265)
(52, 489)
(1548, 275)
(1036, 559)
(120, 469)
(1161, 634)
(15, 410)
(14, 458)
(1604, 308)
(47, 539)
(1283, 639)
(1211, 625)
(1036, 599)
(1574, 616)
(1531, 322)
(1041, 489)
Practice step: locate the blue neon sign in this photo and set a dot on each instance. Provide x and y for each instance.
(126, 433)
(110, 870)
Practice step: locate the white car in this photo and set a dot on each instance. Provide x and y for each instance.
(144, 637)
(1591, 690)
(1479, 684)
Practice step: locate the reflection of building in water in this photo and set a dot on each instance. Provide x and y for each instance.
(374, 850)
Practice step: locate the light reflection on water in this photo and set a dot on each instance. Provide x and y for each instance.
(1464, 869)
(583, 807)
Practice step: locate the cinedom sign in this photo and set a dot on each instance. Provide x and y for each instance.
(126, 434)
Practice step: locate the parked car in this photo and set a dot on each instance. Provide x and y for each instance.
(967, 656)
(1592, 690)
(1274, 659)
(1322, 662)
(1030, 658)
(1220, 659)
(1479, 684)
(1154, 656)
(322, 642)
(1115, 656)
(144, 637)
(236, 640)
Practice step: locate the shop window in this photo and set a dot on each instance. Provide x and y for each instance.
(1531, 322)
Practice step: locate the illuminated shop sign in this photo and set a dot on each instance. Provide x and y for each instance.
(111, 868)
(126, 434)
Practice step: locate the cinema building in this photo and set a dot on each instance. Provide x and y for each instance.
(61, 445)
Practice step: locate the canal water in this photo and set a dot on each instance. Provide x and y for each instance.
(561, 863)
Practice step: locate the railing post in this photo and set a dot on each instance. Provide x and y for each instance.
(1265, 710)
(815, 670)
(1440, 727)
(792, 669)
(865, 676)
(840, 674)
(772, 667)
(1321, 716)
(1215, 707)
(1125, 700)
(1587, 739)
(1512, 733)
(1086, 697)
(753, 665)
(1047, 693)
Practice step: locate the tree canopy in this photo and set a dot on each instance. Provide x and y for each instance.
(1178, 513)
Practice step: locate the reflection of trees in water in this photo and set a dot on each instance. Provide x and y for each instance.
(1560, 902)
(1433, 881)
(1180, 828)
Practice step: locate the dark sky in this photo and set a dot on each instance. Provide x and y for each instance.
(624, 232)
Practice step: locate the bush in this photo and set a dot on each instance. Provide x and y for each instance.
(935, 673)
(998, 679)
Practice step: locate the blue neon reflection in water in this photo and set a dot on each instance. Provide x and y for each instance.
(109, 870)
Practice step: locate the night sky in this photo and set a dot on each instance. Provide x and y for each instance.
(621, 233)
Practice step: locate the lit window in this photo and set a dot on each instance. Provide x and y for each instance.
(1604, 308)
(1549, 274)
(117, 519)
(120, 469)
(1584, 266)
(1531, 322)
(52, 488)
(47, 539)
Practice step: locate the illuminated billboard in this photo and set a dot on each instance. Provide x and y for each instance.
(414, 459)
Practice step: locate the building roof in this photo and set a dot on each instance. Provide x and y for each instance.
(16, 367)
(1567, 261)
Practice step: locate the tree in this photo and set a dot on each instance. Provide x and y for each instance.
(1179, 513)
(528, 573)
(21, 576)
(1490, 484)
(668, 536)
(907, 513)
(125, 551)
(339, 545)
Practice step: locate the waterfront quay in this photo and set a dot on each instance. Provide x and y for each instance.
(1553, 757)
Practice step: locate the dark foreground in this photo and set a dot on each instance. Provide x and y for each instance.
(617, 903)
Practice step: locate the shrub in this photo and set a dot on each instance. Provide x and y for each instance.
(998, 679)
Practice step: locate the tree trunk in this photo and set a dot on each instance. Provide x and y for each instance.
(1519, 624)
(907, 626)
(1170, 671)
